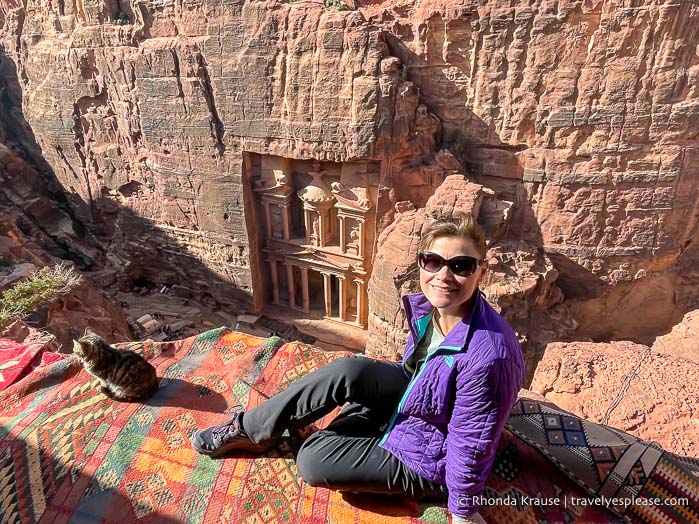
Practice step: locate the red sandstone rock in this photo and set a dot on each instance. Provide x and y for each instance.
(579, 117)
(68, 317)
(628, 386)
(683, 340)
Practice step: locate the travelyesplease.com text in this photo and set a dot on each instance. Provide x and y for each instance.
(526, 500)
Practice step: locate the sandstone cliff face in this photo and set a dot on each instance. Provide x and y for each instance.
(577, 118)
(38, 229)
(584, 115)
(145, 124)
(629, 386)
(29, 193)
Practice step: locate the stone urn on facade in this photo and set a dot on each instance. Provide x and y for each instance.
(317, 209)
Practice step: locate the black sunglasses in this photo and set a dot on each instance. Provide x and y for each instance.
(462, 266)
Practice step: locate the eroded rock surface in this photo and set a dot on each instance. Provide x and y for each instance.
(627, 386)
(584, 116)
(579, 117)
(68, 316)
(683, 340)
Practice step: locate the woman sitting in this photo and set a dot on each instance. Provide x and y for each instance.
(426, 427)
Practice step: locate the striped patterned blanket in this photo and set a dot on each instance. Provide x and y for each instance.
(70, 454)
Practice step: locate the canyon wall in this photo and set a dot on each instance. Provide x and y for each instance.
(584, 116)
(38, 229)
(146, 124)
(577, 120)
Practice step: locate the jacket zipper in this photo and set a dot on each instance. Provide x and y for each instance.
(412, 382)
(415, 375)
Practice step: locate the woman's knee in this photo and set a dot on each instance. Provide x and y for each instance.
(351, 369)
(309, 465)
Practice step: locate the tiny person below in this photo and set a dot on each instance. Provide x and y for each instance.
(427, 427)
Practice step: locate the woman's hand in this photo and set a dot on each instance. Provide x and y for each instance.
(473, 519)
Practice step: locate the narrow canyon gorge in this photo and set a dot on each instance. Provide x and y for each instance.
(281, 158)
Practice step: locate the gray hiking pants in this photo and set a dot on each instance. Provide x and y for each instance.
(345, 456)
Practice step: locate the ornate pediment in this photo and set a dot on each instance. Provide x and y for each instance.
(281, 190)
(356, 198)
(319, 259)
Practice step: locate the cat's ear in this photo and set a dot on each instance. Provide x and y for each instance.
(80, 349)
(88, 331)
(85, 347)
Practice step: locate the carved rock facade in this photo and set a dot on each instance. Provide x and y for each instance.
(318, 225)
(577, 118)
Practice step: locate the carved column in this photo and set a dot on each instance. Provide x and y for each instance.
(321, 230)
(308, 223)
(290, 284)
(304, 290)
(285, 221)
(275, 281)
(268, 220)
(360, 302)
(361, 239)
(328, 294)
(342, 307)
(343, 235)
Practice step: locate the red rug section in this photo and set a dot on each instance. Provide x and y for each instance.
(17, 360)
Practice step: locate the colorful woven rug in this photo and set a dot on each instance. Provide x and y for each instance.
(70, 454)
(19, 360)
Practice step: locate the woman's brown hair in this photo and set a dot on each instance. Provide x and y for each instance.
(461, 225)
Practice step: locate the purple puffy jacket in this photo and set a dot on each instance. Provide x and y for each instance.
(448, 423)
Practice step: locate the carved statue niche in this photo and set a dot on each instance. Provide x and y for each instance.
(277, 222)
(353, 207)
(354, 240)
(276, 201)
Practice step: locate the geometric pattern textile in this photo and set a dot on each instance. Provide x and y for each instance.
(70, 454)
(633, 479)
(19, 360)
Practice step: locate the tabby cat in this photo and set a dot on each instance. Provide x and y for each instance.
(126, 376)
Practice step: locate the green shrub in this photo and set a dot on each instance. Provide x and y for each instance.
(121, 18)
(337, 4)
(44, 286)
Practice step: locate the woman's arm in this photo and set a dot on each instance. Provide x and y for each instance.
(484, 398)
